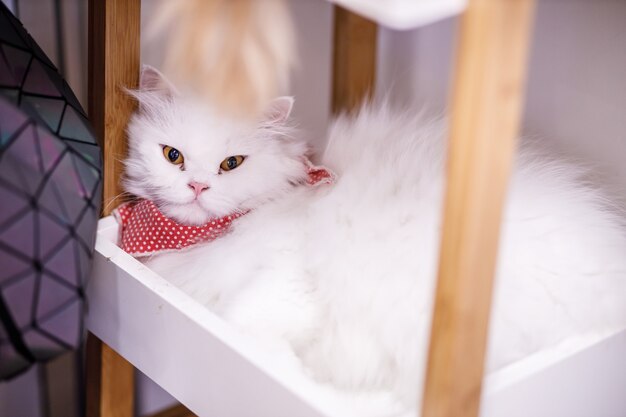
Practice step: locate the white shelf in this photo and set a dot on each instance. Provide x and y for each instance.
(216, 371)
(404, 14)
(178, 343)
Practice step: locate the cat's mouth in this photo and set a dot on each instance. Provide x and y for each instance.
(194, 201)
(193, 204)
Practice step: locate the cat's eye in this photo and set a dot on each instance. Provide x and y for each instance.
(173, 155)
(232, 162)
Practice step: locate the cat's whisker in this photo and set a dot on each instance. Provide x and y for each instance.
(110, 201)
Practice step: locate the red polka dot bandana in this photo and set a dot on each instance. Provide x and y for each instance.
(146, 231)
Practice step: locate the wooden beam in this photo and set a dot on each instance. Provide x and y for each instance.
(114, 27)
(109, 383)
(61, 385)
(354, 60)
(486, 108)
(114, 34)
(175, 411)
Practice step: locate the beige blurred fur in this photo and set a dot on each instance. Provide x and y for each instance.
(236, 53)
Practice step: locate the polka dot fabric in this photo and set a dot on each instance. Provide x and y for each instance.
(146, 231)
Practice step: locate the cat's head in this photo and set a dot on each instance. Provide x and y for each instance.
(195, 163)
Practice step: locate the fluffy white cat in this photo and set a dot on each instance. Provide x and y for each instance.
(344, 274)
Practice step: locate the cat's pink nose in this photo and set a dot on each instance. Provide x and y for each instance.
(197, 187)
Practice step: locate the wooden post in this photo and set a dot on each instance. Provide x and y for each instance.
(486, 108)
(354, 60)
(114, 32)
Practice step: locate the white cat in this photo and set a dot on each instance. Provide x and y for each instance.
(344, 274)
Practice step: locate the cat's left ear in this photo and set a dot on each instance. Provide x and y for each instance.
(278, 110)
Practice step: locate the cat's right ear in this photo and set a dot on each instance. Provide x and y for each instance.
(154, 88)
(153, 81)
(278, 110)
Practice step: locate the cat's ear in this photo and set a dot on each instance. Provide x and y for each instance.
(153, 81)
(278, 111)
(154, 89)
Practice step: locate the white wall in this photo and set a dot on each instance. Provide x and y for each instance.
(577, 90)
(576, 98)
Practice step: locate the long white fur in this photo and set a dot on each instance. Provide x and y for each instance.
(342, 276)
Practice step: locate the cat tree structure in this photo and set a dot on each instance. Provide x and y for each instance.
(486, 104)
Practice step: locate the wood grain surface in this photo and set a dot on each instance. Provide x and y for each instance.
(114, 35)
(354, 60)
(114, 28)
(486, 107)
(175, 411)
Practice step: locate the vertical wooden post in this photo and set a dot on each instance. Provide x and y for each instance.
(354, 60)
(114, 32)
(486, 109)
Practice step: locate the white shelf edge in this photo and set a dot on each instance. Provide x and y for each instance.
(404, 14)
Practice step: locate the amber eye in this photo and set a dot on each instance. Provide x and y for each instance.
(232, 162)
(173, 155)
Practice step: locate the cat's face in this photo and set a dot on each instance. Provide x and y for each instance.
(196, 164)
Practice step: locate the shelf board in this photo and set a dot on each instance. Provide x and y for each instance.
(404, 14)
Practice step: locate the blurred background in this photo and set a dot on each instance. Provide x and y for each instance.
(576, 103)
